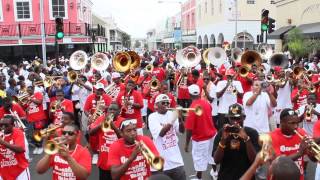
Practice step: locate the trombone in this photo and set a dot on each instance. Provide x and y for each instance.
(53, 146)
(106, 125)
(156, 162)
(197, 110)
(20, 124)
(314, 147)
(39, 135)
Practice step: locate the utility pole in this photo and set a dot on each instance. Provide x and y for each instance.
(236, 25)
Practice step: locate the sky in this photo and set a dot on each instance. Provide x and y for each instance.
(136, 17)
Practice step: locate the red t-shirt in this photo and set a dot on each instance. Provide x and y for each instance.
(15, 108)
(144, 81)
(13, 164)
(159, 73)
(67, 105)
(35, 112)
(61, 168)
(150, 97)
(139, 168)
(118, 88)
(284, 145)
(91, 102)
(302, 99)
(183, 92)
(105, 141)
(316, 129)
(102, 80)
(201, 126)
(134, 97)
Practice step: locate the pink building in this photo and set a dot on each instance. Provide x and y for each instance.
(20, 26)
(188, 13)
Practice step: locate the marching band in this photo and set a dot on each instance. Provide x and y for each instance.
(247, 114)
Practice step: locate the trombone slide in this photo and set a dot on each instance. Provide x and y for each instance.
(19, 121)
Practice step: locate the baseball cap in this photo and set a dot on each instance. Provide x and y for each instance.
(287, 112)
(115, 75)
(194, 90)
(235, 110)
(99, 86)
(127, 122)
(162, 97)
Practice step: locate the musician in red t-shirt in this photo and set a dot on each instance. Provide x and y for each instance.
(125, 158)
(285, 140)
(72, 161)
(118, 85)
(58, 106)
(8, 106)
(201, 130)
(299, 95)
(14, 164)
(106, 138)
(183, 97)
(158, 72)
(130, 102)
(35, 115)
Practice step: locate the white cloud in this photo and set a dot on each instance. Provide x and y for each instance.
(137, 16)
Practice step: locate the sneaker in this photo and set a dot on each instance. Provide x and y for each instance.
(95, 159)
(214, 174)
(40, 150)
(35, 151)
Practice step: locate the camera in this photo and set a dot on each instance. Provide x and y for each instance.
(232, 129)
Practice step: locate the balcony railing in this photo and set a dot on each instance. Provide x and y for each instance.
(26, 30)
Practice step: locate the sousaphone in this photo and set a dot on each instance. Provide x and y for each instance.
(217, 56)
(251, 57)
(78, 60)
(188, 57)
(100, 61)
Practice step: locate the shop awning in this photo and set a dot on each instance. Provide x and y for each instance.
(279, 33)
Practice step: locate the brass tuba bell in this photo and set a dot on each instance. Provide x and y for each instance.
(217, 56)
(122, 62)
(236, 54)
(135, 59)
(251, 57)
(279, 59)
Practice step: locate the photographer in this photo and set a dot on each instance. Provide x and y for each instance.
(257, 105)
(235, 146)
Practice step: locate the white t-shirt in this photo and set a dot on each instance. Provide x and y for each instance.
(168, 144)
(308, 125)
(228, 98)
(75, 92)
(44, 94)
(257, 114)
(284, 97)
(214, 103)
(84, 93)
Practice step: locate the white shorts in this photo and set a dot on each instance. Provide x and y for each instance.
(202, 154)
(25, 175)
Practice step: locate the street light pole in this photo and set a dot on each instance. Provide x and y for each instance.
(43, 35)
(236, 25)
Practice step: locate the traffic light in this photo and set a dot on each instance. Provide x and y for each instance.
(271, 25)
(264, 20)
(59, 28)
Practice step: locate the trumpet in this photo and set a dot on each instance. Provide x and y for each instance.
(149, 68)
(106, 125)
(309, 110)
(20, 124)
(156, 162)
(53, 146)
(154, 84)
(39, 135)
(54, 108)
(197, 110)
(314, 147)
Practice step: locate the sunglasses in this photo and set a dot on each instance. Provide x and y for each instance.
(205, 79)
(127, 122)
(165, 103)
(70, 133)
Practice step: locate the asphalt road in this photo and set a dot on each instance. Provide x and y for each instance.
(186, 157)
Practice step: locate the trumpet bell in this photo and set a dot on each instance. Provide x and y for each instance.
(188, 57)
(51, 147)
(72, 76)
(78, 60)
(198, 111)
(217, 56)
(100, 61)
(37, 136)
(279, 59)
(244, 71)
(149, 68)
(154, 84)
(251, 57)
(122, 62)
